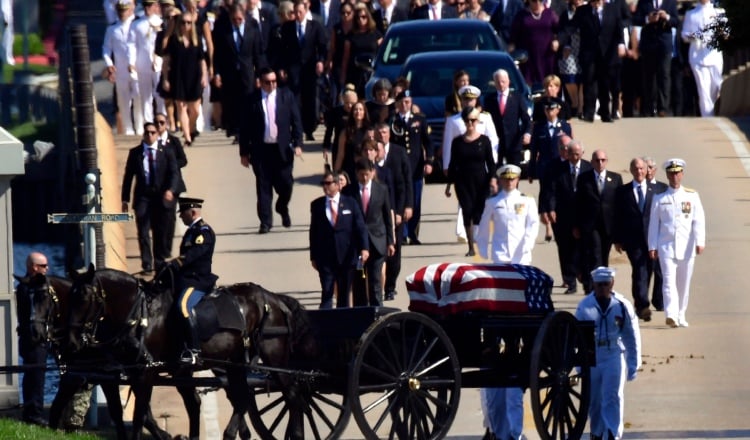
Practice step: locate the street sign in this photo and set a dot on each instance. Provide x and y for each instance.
(96, 217)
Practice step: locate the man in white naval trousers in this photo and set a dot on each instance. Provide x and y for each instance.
(515, 219)
(618, 353)
(115, 54)
(143, 60)
(455, 126)
(676, 234)
(707, 63)
(6, 32)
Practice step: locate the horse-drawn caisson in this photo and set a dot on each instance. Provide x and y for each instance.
(304, 374)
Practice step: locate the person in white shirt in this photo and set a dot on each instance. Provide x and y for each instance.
(115, 54)
(707, 63)
(676, 234)
(143, 61)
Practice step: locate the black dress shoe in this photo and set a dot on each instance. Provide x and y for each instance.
(264, 229)
(286, 221)
(38, 420)
(571, 291)
(607, 119)
(471, 253)
(147, 267)
(414, 241)
(389, 296)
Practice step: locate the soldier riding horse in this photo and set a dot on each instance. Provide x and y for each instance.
(239, 326)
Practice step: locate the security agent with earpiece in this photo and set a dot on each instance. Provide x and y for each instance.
(193, 277)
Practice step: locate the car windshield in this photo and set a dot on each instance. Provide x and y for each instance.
(436, 80)
(396, 49)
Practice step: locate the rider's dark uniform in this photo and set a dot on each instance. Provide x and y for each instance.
(193, 269)
(33, 349)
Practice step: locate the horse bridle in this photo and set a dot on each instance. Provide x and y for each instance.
(95, 309)
(53, 311)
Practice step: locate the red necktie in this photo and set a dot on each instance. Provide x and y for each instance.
(365, 199)
(334, 214)
(502, 104)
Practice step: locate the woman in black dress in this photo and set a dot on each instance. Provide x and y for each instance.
(339, 35)
(470, 169)
(350, 139)
(186, 73)
(364, 39)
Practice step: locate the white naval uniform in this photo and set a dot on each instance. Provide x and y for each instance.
(676, 226)
(706, 63)
(115, 53)
(618, 357)
(516, 226)
(141, 47)
(455, 126)
(6, 33)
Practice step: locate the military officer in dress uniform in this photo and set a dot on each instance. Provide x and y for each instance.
(676, 234)
(618, 353)
(410, 130)
(115, 54)
(143, 61)
(193, 271)
(515, 220)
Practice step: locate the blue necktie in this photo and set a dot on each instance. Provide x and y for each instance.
(641, 199)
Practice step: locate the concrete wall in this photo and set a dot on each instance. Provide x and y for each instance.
(735, 94)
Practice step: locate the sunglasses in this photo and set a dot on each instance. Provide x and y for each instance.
(161, 122)
(598, 159)
(327, 182)
(151, 132)
(269, 81)
(43, 266)
(347, 13)
(473, 121)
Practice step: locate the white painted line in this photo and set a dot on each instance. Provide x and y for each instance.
(210, 411)
(738, 141)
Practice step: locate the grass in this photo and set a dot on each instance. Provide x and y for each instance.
(33, 68)
(28, 132)
(14, 429)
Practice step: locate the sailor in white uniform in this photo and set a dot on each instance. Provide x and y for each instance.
(143, 61)
(676, 234)
(707, 63)
(618, 353)
(115, 54)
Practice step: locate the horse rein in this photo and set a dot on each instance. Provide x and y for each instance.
(53, 311)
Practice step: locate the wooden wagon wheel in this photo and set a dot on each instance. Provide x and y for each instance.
(326, 414)
(405, 380)
(560, 378)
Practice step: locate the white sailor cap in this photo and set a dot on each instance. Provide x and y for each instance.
(469, 92)
(674, 165)
(603, 274)
(124, 5)
(509, 171)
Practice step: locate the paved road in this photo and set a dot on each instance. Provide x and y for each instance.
(694, 382)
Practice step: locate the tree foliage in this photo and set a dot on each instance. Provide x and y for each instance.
(733, 31)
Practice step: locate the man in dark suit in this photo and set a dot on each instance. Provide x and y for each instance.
(157, 179)
(559, 205)
(374, 200)
(511, 118)
(270, 137)
(394, 158)
(237, 56)
(388, 14)
(265, 16)
(410, 130)
(658, 18)
(595, 215)
(171, 142)
(304, 49)
(502, 17)
(338, 239)
(632, 210)
(329, 12)
(657, 297)
(434, 10)
(602, 46)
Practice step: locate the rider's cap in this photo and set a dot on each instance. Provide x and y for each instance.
(189, 202)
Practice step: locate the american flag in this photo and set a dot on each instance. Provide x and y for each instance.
(448, 288)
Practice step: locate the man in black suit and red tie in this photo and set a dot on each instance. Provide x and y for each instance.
(602, 47)
(338, 239)
(374, 200)
(304, 50)
(434, 10)
(595, 215)
(558, 203)
(632, 210)
(270, 138)
(511, 118)
(157, 179)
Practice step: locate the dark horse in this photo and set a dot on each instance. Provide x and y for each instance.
(49, 317)
(136, 321)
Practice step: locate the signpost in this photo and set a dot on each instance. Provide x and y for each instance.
(96, 217)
